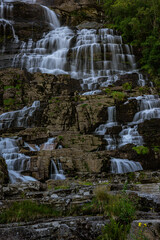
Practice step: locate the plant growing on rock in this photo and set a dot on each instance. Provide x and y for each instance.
(26, 211)
(118, 96)
(127, 86)
(141, 150)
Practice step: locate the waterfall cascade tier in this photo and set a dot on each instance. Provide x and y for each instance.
(16, 162)
(120, 166)
(19, 118)
(97, 57)
(148, 108)
(56, 173)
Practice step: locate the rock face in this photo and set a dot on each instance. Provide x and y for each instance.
(3, 172)
(68, 228)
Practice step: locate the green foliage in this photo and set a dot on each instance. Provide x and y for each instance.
(156, 148)
(127, 86)
(121, 211)
(60, 138)
(9, 101)
(26, 211)
(113, 231)
(139, 23)
(118, 96)
(62, 187)
(84, 105)
(8, 87)
(108, 91)
(141, 150)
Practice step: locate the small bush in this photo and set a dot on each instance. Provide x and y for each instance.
(141, 150)
(113, 231)
(127, 86)
(118, 96)
(108, 91)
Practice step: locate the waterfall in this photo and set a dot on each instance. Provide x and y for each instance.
(55, 173)
(16, 162)
(120, 166)
(97, 57)
(6, 13)
(101, 130)
(49, 145)
(149, 106)
(31, 148)
(18, 118)
(130, 135)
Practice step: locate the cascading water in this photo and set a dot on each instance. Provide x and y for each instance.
(6, 24)
(101, 130)
(18, 118)
(56, 174)
(96, 57)
(149, 106)
(130, 135)
(16, 162)
(49, 145)
(120, 166)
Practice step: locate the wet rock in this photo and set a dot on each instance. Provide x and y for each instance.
(148, 129)
(128, 78)
(125, 112)
(29, 21)
(4, 178)
(89, 25)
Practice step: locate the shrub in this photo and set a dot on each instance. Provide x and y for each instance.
(113, 231)
(141, 150)
(127, 86)
(119, 96)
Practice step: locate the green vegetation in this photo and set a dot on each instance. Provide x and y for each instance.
(27, 211)
(121, 211)
(156, 148)
(127, 86)
(61, 187)
(118, 96)
(139, 22)
(60, 138)
(9, 101)
(108, 91)
(141, 150)
(84, 105)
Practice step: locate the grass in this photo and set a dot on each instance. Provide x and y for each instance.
(27, 211)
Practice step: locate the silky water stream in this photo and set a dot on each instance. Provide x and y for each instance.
(96, 57)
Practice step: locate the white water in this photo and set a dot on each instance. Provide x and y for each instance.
(19, 118)
(101, 130)
(149, 106)
(6, 13)
(130, 135)
(120, 166)
(31, 148)
(49, 145)
(96, 57)
(57, 173)
(16, 162)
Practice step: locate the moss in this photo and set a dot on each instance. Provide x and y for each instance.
(8, 87)
(9, 101)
